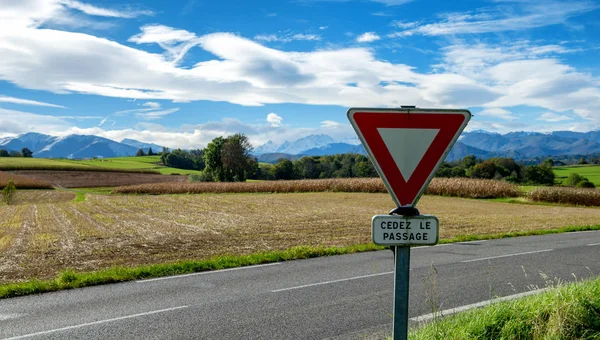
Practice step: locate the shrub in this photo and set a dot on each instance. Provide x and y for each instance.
(202, 177)
(8, 192)
(574, 179)
(576, 196)
(586, 184)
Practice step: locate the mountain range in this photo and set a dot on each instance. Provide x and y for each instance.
(482, 144)
(74, 146)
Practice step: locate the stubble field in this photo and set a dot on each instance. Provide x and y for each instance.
(46, 232)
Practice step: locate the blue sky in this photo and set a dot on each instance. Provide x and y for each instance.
(179, 73)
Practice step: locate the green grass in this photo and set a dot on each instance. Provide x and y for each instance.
(149, 164)
(70, 279)
(591, 172)
(565, 311)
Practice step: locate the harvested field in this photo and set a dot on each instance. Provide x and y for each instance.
(458, 187)
(89, 179)
(39, 240)
(23, 182)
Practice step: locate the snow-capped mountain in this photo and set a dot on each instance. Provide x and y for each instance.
(33, 141)
(308, 142)
(144, 146)
(268, 147)
(72, 146)
(83, 146)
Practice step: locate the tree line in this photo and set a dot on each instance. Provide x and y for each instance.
(25, 152)
(228, 159)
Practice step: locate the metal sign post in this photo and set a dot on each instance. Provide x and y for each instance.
(407, 146)
(401, 288)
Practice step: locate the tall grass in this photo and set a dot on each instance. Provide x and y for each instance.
(459, 187)
(561, 195)
(566, 312)
(472, 188)
(23, 182)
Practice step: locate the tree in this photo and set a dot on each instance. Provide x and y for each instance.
(8, 192)
(284, 169)
(212, 158)
(235, 157)
(15, 153)
(150, 152)
(26, 152)
(582, 161)
(574, 179)
(4, 153)
(140, 152)
(548, 162)
(538, 174)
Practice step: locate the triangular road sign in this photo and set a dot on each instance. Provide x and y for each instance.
(407, 145)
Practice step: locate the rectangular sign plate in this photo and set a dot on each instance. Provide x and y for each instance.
(395, 230)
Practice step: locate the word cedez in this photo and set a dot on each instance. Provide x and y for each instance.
(406, 225)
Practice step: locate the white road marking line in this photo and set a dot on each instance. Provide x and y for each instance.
(94, 323)
(333, 281)
(593, 244)
(508, 255)
(451, 311)
(445, 244)
(8, 316)
(207, 272)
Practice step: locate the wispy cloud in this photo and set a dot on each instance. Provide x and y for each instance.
(553, 117)
(287, 37)
(103, 12)
(13, 100)
(152, 110)
(498, 113)
(523, 15)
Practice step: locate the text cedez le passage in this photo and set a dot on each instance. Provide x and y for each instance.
(407, 235)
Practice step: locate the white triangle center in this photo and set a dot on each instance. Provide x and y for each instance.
(407, 146)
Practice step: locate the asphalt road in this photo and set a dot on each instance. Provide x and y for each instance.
(341, 297)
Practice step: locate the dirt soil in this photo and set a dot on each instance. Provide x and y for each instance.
(89, 179)
(40, 239)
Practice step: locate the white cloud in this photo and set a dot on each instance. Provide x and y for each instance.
(13, 100)
(152, 105)
(553, 117)
(329, 124)
(498, 113)
(323, 27)
(274, 119)
(525, 15)
(368, 37)
(103, 12)
(245, 72)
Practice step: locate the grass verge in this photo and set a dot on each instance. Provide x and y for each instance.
(567, 311)
(70, 279)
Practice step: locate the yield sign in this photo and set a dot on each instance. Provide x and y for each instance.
(407, 145)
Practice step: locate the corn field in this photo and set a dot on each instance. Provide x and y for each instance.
(463, 187)
(561, 195)
(472, 188)
(23, 182)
